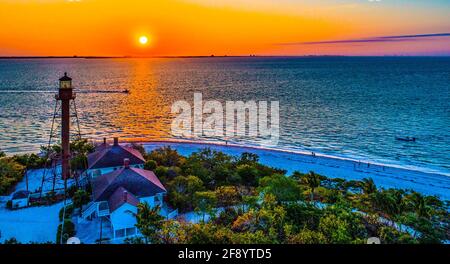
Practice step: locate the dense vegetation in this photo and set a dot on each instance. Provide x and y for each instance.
(11, 172)
(12, 169)
(79, 150)
(240, 200)
(244, 201)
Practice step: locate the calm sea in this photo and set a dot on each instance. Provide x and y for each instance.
(342, 106)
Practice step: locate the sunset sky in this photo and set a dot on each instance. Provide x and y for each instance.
(224, 27)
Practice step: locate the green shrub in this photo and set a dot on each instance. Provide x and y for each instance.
(11, 173)
(166, 156)
(68, 232)
(12, 241)
(390, 235)
(50, 197)
(173, 172)
(248, 174)
(161, 171)
(150, 165)
(30, 161)
(79, 162)
(80, 198)
(71, 190)
(69, 212)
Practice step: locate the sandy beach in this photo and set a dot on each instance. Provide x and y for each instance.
(385, 176)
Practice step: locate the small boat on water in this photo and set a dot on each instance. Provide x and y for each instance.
(408, 139)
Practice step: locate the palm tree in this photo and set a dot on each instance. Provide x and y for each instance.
(368, 186)
(399, 201)
(313, 181)
(399, 205)
(386, 202)
(149, 221)
(419, 205)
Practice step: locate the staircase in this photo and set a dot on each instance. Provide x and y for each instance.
(90, 209)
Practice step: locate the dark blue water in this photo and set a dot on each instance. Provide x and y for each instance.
(352, 107)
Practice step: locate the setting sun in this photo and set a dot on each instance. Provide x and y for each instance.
(143, 40)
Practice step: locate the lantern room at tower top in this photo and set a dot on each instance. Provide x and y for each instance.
(65, 82)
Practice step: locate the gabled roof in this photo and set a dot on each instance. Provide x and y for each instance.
(102, 146)
(112, 156)
(21, 195)
(120, 197)
(139, 182)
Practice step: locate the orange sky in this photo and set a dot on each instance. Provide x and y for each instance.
(202, 27)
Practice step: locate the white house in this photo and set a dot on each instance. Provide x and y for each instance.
(20, 199)
(108, 158)
(116, 195)
(123, 206)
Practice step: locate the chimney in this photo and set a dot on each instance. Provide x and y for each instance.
(126, 163)
(116, 141)
(125, 196)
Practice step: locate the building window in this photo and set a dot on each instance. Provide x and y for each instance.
(120, 233)
(131, 231)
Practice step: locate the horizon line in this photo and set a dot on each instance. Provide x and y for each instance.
(218, 56)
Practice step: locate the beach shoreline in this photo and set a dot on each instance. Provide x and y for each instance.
(385, 176)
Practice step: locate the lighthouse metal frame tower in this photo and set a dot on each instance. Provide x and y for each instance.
(65, 95)
(65, 109)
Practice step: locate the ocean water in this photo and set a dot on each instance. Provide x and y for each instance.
(343, 106)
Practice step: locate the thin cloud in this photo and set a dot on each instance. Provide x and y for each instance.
(375, 39)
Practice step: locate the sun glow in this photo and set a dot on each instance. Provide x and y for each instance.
(143, 40)
(221, 27)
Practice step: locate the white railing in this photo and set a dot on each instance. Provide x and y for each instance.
(103, 212)
(172, 214)
(91, 208)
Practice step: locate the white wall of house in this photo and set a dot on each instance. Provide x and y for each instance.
(19, 203)
(123, 221)
(153, 200)
(150, 200)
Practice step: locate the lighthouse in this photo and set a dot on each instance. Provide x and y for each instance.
(65, 95)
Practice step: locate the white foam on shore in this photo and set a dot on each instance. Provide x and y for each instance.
(287, 149)
(385, 176)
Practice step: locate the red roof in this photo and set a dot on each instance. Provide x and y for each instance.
(102, 146)
(112, 156)
(139, 182)
(120, 197)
